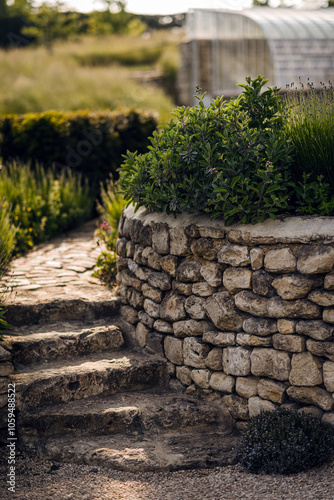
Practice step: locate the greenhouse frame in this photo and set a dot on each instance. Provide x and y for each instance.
(222, 47)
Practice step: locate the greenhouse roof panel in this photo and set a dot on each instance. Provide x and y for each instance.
(273, 23)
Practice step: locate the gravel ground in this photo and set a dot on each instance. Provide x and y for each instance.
(42, 480)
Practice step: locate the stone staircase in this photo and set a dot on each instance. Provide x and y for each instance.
(83, 395)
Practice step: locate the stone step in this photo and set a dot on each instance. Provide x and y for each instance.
(140, 411)
(91, 375)
(164, 451)
(66, 309)
(33, 344)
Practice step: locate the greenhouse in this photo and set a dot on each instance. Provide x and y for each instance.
(222, 47)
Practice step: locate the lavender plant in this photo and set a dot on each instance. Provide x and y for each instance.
(284, 442)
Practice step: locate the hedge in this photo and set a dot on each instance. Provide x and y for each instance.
(91, 143)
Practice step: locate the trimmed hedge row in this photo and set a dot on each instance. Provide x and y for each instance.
(91, 143)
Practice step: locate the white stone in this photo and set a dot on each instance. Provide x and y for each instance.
(173, 350)
(234, 255)
(328, 373)
(256, 405)
(221, 382)
(306, 370)
(236, 361)
(256, 258)
(236, 279)
(201, 378)
(195, 352)
(246, 386)
(280, 260)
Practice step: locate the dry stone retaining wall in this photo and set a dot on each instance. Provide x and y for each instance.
(244, 311)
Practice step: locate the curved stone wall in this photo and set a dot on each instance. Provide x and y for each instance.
(244, 311)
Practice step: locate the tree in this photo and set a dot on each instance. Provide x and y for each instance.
(49, 23)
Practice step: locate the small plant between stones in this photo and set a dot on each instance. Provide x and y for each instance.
(284, 442)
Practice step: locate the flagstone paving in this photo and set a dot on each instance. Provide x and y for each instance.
(58, 268)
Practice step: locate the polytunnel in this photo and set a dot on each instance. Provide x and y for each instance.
(222, 47)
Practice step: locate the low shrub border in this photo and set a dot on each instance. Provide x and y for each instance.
(91, 143)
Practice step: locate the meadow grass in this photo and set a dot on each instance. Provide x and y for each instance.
(32, 79)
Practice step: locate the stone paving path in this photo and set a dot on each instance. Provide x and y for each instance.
(58, 268)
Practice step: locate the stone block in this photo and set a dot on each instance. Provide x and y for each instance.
(328, 315)
(234, 255)
(329, 281)
(323, 349)
(201, 378)
(294, 286)
(328, 419)
(189, 271)
(141, 332)
(270, 363)
(260, 326)
(223, 313)
(256, 256)
(249, 340)
(195, 352)
(203, 289)
(4, 354)
(306, 370)
(212, 273)
(179, 241)
(182, 288)
(322, 298)
(280, 260)
(316, 329)
(246, 386)
(271, 390)
(152, 308)
(314, 411)
(315, 259)
(160, 238)
(169, 264)
(163, 326)
(236, 279)
(204, 248)
(174, 350)
(183, 373)
(145, 236)
(237, 406)
(192, 231)
(300, 308)
(286, 326)
(130, 314)
(312, 395)
(328, 373)
(128, 279)
(256, 405)
(135, 299)
(291, 343)
(138, 254)
(130, 249)
(122, 263)
(172, 307)
(214, 360)
(136, 227)
(146, 319)
(262, 283)
(236, 361)
(132, 265)
(142, 273)
(121, 247)
(251, 303)
(189, 328)
(221, 382)
(155, 343)
(152, 293)
(160, 280)
(219, 339)
(195, 307)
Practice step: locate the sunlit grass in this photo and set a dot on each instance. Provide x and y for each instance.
(32, 79)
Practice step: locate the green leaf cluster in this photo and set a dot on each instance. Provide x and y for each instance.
(230, 158)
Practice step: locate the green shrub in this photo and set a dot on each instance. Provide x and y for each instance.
(231, 158)
(87, 142)
(110, 209)
(284, 442)
(143, 56)
(43, 203)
